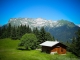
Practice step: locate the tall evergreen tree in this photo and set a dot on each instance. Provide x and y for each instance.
(13, 33)
(18, 32)
(75, 45)
(48, 37)
(4, 32)
(0, 32)
(29, 29)
(9, 30)
(42, 35)
(25, 29)
(36, 32)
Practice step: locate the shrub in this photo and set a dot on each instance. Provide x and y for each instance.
(29, 41)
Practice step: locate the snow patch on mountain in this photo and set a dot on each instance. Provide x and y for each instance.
(78, 25)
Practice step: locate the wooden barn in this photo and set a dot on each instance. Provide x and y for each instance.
(53, 47)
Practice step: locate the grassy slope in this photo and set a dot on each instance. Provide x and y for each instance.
(8, 51)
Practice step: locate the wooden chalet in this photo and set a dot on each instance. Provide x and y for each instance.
(53, 47)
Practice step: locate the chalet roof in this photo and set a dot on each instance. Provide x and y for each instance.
(49, 43)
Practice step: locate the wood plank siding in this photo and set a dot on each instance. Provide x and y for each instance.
(59, 48)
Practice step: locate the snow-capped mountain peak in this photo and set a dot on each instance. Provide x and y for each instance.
(38, 22)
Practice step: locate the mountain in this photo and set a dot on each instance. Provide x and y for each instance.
(78, 25)
(0, 25)
(62, 30)
(38, 22)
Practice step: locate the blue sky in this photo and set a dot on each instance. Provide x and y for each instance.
(47, 9)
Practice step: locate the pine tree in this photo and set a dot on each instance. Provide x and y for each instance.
(36, 32)
(18, 32)
(13, 33)
(42, 35)
(9, 30)
(4, 32)
(25, 29)
(48, 37)
(28, 29)
(0, 32)
(75, 45)
(71, 47)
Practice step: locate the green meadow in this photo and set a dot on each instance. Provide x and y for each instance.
(9, 51)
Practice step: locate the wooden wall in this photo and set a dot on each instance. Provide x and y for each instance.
(59, 48)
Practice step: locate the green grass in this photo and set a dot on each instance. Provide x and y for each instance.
(8, 51)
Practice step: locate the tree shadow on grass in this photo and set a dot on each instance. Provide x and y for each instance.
(23, 49)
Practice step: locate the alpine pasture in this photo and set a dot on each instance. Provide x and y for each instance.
(9, 51)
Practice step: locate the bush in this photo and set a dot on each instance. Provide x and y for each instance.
(29, 41)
